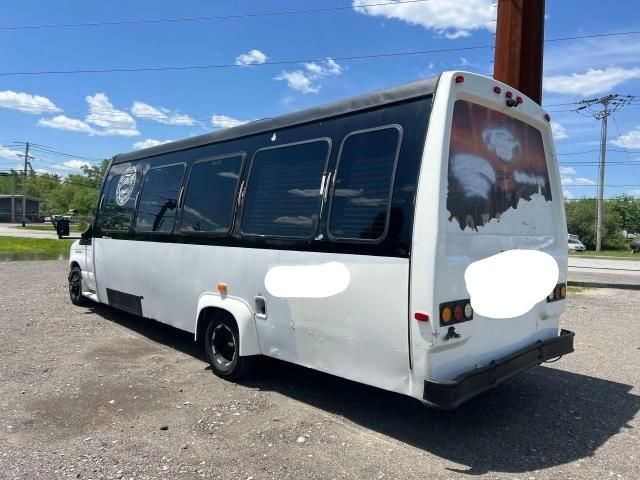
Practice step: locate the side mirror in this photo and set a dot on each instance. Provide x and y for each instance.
(62, 227)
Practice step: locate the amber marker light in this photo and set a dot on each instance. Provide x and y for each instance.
(446, 315)
(222, 288)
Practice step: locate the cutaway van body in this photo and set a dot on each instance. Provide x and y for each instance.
(338, 238)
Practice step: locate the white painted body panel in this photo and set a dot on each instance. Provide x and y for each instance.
(359, 334)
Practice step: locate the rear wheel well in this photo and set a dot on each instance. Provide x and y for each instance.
(73, 265)
(208, 314)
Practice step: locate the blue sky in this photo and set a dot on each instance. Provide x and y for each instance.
(99, 115)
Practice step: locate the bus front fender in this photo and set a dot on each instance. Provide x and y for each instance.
(242, 314)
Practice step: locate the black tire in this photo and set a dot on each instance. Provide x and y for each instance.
(75, 288)
(222, 346)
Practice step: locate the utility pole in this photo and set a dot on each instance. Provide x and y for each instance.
(519, 46)
(600, 109)
(24, 182)
(13, 196)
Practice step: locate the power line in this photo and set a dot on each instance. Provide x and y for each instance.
(203, 18)
(288, 62)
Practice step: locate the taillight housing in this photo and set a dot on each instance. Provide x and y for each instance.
(458, 311)
(559, 293)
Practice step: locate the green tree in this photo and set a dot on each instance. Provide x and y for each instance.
(581, 221)
(628, 207)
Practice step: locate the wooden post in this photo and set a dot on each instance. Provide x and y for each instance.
(519, 46)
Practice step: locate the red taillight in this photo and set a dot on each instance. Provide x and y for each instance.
(519, 99)
(458, 313)
(421, 317)
(547, 117)
(459, 79)
(558, 293)
(508, 94)
(497, 89)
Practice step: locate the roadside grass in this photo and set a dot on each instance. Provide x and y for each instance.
(49, 228)
(574, 289)
(617, 254)
(36, 246)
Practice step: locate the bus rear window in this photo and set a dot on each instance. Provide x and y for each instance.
(495, 163)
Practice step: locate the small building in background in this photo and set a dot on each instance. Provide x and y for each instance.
(33, 208)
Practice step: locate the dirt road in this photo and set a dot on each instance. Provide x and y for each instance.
(95, 393)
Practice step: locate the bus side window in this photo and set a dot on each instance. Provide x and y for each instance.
(210, 195)
(364, 184)
(119, 204)
(283, 190)
(159, 199)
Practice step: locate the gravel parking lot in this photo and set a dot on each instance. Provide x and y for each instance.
(96, 393)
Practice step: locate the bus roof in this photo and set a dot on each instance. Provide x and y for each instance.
(400, 93)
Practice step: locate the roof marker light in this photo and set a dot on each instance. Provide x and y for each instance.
(547, 117)
(459, 79)
(497, 89)
(508, 94)
(519, 100)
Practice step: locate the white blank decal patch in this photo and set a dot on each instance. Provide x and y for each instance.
(510, 283)
(307, 281)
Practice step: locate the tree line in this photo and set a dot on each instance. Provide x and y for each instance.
(77, 191)
(621, 214)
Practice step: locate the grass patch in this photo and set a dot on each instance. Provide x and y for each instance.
(573, 289)
(619, 254)
(49, 228)
(40, 246)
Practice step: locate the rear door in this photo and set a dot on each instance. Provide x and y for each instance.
(498, 191)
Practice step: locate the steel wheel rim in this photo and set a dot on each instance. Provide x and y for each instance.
(74, 285)
(223, 344)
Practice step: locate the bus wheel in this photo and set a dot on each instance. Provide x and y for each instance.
(222, 344)
(75, 288)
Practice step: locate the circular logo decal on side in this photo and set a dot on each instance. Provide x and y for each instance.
(126, 184)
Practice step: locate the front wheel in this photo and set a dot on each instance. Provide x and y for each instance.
(222, 345)
(75, 288)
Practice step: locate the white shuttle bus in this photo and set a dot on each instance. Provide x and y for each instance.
(338, 238)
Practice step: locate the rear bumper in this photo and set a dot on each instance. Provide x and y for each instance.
(450, 394)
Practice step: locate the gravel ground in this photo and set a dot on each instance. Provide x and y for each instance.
(96, 393)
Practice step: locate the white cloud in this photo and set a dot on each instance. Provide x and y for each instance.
(160, 114)
(103, 120)
(113, 122)
(567, 194)
(8, 153)
(635, 193)
(223, 121)
(148, 143)
(297, 80)
(305, 81)
(567, 171)
(71, 165)
(26, 102)
(577, 181)
(630, 139)
(559, 132)
(449, 19)
(592, 82)
(62, 122)
(252, 57)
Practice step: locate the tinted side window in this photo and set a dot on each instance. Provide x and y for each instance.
(210, 195)
(363, 185)
(283, 190)
(159, 199)
(120, 201)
